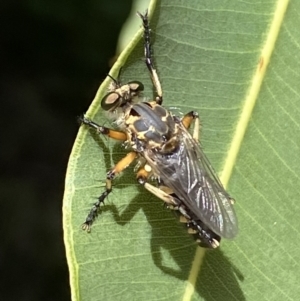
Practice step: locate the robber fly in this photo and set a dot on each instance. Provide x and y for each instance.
(166, 151)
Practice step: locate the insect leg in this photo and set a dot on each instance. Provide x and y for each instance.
(167, 198)
(142, 174)
(117, 135)
(149, 59)
(142, 177)
(187, 121)
(119, 167)
(202, 234)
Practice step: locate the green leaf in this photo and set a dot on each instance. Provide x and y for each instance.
(237, 64)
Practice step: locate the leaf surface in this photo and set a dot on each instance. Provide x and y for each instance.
(237, 64)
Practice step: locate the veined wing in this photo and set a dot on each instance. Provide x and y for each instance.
(189, 174)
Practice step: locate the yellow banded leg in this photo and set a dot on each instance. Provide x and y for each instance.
(196, 129)
(117, 135)
(184, 217)
(187, 121)
(119, 167)
(167, 198)
(149, 59)
(168, 191)
(142, 177)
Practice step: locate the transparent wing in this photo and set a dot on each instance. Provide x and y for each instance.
(189, 174)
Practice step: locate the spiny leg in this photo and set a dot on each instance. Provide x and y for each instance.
(117, 135)
(149, 58)
(119, 167)
(187, 121)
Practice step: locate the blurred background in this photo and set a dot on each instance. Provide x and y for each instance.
(53, 54)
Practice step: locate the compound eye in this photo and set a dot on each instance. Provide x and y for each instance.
(136, 86)
(111, 101)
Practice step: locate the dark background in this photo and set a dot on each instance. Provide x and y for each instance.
(53, 56)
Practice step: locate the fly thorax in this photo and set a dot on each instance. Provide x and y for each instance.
(151, 124)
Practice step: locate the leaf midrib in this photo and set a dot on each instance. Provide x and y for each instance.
(242, 125)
